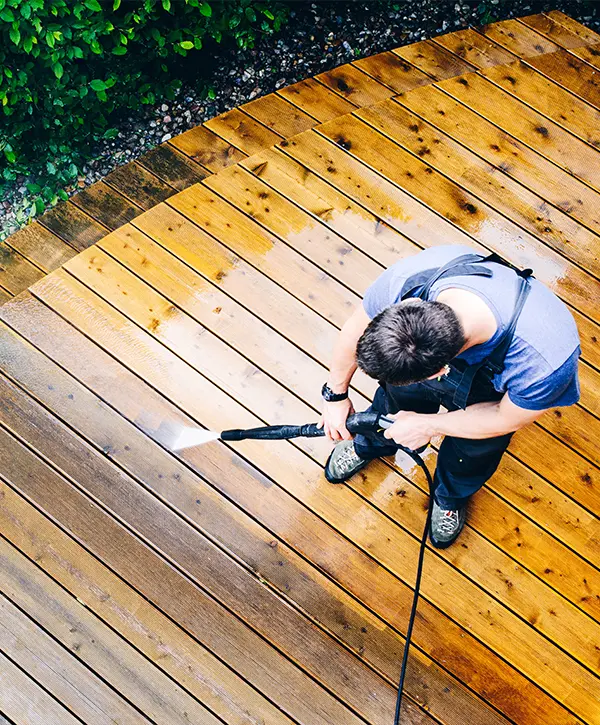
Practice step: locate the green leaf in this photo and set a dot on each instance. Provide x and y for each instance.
(116, 5)
(7, 15)
(58, 70)
(166, 5)
(267, 13)
(206, 10)
(34, 188)
(39, 205)
(186, 44)
(28, 44)
(62, 194)
(77, 52)
(8, 73)
(93, 5)
(14, 35)
(250, 14)
(211, 94)
(50, 168)
(119, 50)
(97, 85)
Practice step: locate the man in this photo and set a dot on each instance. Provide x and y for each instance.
(449, 327)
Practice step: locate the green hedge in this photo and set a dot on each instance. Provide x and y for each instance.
(68, 68)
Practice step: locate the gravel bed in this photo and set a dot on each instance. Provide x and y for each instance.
(318, 37)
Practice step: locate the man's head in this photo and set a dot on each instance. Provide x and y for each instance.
(410, 342)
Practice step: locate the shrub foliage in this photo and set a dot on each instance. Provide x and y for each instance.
(68, 67)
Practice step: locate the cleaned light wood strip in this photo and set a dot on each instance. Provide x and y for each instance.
(524, 703)
(437, 62)
(257, 247)
(280, 217)
(25, 702)
(518, 38)
(55, 668)
(240, 281)
(348, 219)
(474, 48)
(391, 70)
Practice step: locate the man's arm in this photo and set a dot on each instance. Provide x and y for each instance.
(482, 420)
(343, 363)
(343, 367)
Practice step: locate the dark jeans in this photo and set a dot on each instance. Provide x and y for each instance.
(463, 465)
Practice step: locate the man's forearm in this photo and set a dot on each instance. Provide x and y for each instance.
(343, 364)
(482, 420)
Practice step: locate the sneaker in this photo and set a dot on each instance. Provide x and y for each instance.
(446, 525)
(343, 462)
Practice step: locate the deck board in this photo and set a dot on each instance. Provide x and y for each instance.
(233, 581)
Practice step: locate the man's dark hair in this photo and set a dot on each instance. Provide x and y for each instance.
(409, 342)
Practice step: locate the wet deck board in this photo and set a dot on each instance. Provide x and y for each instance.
(233, 581)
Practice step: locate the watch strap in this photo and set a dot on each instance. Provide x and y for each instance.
(330, 396)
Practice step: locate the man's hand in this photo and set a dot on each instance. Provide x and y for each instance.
(411, 430)
(334, 419)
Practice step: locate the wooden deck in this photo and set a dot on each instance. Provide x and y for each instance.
(205, 284)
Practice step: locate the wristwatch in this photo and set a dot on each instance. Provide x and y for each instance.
(330, 396)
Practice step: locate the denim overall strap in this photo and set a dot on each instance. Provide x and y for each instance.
(495, 360)
(424, 281)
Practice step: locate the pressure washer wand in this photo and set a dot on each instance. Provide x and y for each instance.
(356, 423)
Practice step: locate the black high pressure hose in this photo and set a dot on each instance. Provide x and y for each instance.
(356, 423)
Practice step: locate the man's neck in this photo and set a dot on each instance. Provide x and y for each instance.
(476, 318)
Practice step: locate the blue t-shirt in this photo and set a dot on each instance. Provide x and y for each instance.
(540, 368)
